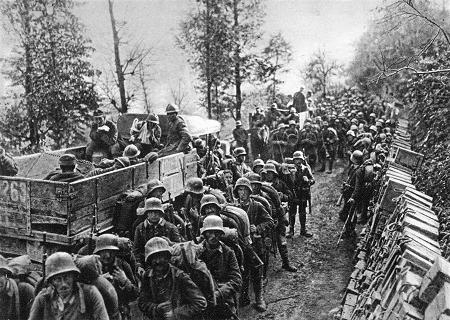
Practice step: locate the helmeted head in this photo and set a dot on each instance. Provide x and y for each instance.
(357, 157)
(239, 154)
(242, 189)
(209, 205)
(153, 209)
(373, 129)
(292, 110)
(299, 157)
(106, 247)
(238, 123)
(255, 181)
(172, 111)
(131, 152)
(152, 118)
(195, 186)
(292, 123)
(61, 272)
(99, 117)
(212, 230)
(155, 189)
(158, 254)
(270, 171)
(258, 165)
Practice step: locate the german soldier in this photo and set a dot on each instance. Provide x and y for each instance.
(328, 148)
(67, 172)
(153, 226)
(222, 263)
(65, 297)
(261, 223)
(118, 272)
(146, 135)
(303, 180)
(308, 142)
(178, 137)
(167, 293)
(103, 136)
(239, 168)
(8, 166)
(15, 297)
(240, 135)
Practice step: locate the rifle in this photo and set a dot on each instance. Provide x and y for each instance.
(350, 215)
(91, 234)
(338, 203)
(45, 254)
(189, 232)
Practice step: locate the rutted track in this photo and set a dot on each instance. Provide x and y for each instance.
(315, 289)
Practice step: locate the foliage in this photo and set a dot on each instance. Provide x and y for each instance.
(274, 60)
(51, 67)
(219, 37)
(319, 71)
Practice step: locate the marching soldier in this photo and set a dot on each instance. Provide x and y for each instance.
(261, 224)
(327, 150)
(303, 180)
(279, 143)
(258, 165)
(118, 272)
(153, 226)
(65, 297)
(178, 137)
(308, 142)
(239, 168)
(16, 297)
(191, 208)
(273, 116)
(222, 263)
(167, 293)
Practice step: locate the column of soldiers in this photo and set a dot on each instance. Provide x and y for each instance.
(198, 257)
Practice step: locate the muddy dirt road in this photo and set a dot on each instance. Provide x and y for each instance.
(318, 285)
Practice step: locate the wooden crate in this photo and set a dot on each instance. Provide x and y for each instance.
(440, 304)
(408, 158)
(434, 279)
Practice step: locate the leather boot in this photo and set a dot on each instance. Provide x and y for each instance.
(303, 232)
(260, 304)
(244, 299)
(330, 166)
(285, 258)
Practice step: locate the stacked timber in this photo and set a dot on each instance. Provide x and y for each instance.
(399, 271)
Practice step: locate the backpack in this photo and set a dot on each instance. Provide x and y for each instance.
(125, 213)
(185, 257)
(21, 270)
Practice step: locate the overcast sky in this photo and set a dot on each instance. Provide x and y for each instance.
(332, 25)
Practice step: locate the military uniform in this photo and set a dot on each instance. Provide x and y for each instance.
(102, 140)
(308, 142)
(303, 179)
(279, 144)
(178, 137)
(241, 137)
(8, 166)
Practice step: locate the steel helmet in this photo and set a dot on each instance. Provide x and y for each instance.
(195, 185)
(153, 118)
(354, 121)
(288, 160)
(172, 108)
(212, 223)
(292, 122)
(238, 123)
(4, 266)
(131, 151)
(373, 128)
(357, 157)
(240, 151)
(382, 136)
(242, 182)
(155, 245)
(372, 115)
(298, 155)
(253, 177)
(151, 204)
(258, 162)
(292, 110)
(209, 199)
(351, 133)
(154, 184)
(58, 263)
(353, 127)
(106, 242)
(360, 114)
(270, 167)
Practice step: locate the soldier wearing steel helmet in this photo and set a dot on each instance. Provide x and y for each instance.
(240, 135)
(261, 224)
(258, 165)
(146, 135)
(273, 116)
(15, 296)
(308, 142)
(67, 170)
(178, 137)
(239, 167)
(303, 180)
(65, 297)
(103, 136)
(153, 226)
(167, 293)
(117, 271)
(223, 265)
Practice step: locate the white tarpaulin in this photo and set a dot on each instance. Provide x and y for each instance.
(199, 126)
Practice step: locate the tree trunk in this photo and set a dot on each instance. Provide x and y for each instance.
(119, 71)
(237, 62)
(28, 87)
(208, 60)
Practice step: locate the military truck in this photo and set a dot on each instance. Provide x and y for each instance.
(33, 210)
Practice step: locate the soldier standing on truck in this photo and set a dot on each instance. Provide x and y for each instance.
(154, 226)
(103, 136)
(146, 135)
(178, 137)
(8, 166)
(65, 297)
(118, 272)
(67, 172)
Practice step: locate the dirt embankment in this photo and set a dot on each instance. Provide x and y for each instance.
(318, 285)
